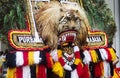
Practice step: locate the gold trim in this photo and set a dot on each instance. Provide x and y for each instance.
(97, 39)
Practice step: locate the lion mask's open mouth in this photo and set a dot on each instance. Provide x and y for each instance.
(67, 36)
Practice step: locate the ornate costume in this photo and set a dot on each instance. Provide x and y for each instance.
(68, 48)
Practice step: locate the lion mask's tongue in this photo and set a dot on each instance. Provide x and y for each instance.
(67, 36)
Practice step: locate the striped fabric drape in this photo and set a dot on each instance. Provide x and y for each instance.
(33, 64)
(28, 64)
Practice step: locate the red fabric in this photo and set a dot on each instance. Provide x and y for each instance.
(90, 55)
(49, 61)
(117, 70)
(61, 61)
(25, 57)
(97, 70)
(85, 72)
(109, 55)
(19, 72)
(41, 71)
(77, 54)
(79, 69)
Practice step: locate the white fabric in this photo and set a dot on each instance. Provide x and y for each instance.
(87, 59)
(104, 54)
(76, 48)
(67, 55)
(19, 58)
(26, 72)
(74, 74)
(54, 55)
(37, 58)
(106, 66)
(67, 67)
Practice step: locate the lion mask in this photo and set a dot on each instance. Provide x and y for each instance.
(62, 23)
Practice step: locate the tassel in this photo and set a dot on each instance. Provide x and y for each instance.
(33, 71)
(112, 52)
(19, 58)
(59, 53)
(54, 55)
(87, 59)
(67, 74)
(26, 72)
(111, 68)
(97, 70)
(74, 74)
(77, 54)
(41, 71)
(109, 55)
(37, 59)
(58, 69)
(79, 69)
(19, 72)
(77, 61)
(85, 72)
(94, 56)
(103, 53)
(91, 68)
(37, 66)
(106, 69)
(11, 73)
(102, 69)
(99, 55)
(30, 57)
(76, 49)
(10, 58)
(49, 60)
(25, 57)
(61, 61)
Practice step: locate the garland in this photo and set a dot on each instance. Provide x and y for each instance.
(76, 62)
(70, 70)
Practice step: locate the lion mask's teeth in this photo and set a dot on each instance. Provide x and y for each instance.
(68, 36)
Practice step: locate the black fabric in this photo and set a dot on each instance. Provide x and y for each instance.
(11, 60)
(111, 68)
(82, 55)
(33, 71)
(67, 74)
(98, 53)
(51, 74)
(43, 57)
(91, 68)
(47, 49)
(73, 66)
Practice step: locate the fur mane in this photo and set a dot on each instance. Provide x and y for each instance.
(47, 21)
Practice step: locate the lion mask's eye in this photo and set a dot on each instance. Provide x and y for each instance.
(63, 20)
(78, 21)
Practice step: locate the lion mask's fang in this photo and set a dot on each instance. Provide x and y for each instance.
(67, 36)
